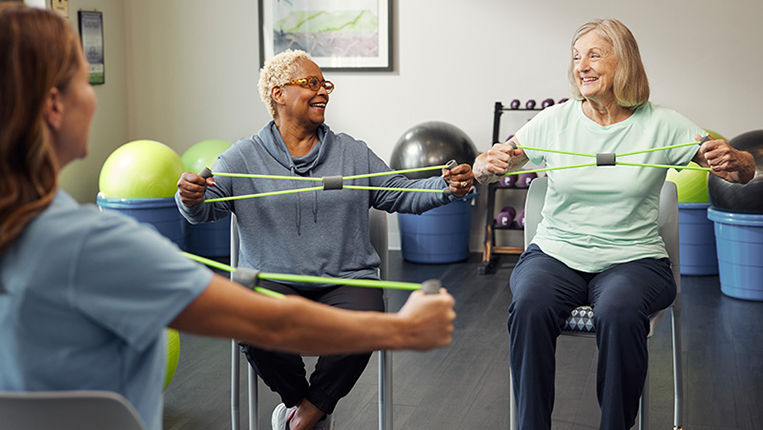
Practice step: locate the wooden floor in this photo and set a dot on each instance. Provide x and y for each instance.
(465, 386)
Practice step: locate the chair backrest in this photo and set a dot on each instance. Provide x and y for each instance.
(67, 410)
(377, 226)
(667, 219)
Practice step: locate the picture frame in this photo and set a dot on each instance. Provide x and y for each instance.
(340, 35)
(91, 34)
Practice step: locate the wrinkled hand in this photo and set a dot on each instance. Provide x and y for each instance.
(726, 161)
(192, 187)
(459, 179)
(497, 161)
(428, 320)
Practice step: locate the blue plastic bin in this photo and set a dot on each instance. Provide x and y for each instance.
(161, 213)
(210, 239)
(439, 235)
(739, 240)
(696, 240)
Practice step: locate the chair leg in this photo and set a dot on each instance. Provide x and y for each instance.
(643, 405)
(675, 313)
(385, 390)
(512, 403)
(253, 414)
(234, 385)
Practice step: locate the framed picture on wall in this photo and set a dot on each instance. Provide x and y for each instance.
(91, 33)
(352, 35)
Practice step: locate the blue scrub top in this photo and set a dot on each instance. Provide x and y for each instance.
(85, 297)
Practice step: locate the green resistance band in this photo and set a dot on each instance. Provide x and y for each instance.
(329, 183)
(346, 178)
(610, 159)
(429, 287)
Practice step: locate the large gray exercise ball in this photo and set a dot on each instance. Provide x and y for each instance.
(747, 198)
(430, 144)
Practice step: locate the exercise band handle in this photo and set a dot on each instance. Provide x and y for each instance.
(431, 286)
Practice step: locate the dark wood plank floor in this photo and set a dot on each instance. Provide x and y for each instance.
(465, 386)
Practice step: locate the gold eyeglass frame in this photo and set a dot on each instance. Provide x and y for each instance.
(304, 83)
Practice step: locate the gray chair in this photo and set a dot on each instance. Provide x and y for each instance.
(67, 410)
(580, 322)
(378, 236)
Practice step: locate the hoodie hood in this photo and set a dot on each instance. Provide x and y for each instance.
(270, 139)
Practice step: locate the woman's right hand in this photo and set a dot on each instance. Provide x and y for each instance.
(191, 187)
(498, 160)
(428, 320)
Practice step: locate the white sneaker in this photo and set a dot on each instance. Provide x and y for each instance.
(281, 416)
(327, 423)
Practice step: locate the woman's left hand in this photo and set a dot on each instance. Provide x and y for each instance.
(727, 162)
(459, 179)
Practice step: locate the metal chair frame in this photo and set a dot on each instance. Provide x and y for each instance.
(378, 236)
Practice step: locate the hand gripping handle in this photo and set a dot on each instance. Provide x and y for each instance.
(205, 173)
(431, 286)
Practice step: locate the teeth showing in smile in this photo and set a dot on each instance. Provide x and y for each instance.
(319, 105)
(589, 79)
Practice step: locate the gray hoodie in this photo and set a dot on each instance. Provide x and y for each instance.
(321, 233)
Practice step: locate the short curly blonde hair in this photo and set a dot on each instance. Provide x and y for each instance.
(277, 71)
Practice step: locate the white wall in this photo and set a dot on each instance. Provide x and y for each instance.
(109, 127)
(192, 67)
(192, 70)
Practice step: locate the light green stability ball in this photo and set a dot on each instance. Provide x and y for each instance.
(204, 154)
(691, 184)
(173, 355)
(142, 169)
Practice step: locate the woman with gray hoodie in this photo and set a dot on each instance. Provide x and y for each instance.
(322, 233)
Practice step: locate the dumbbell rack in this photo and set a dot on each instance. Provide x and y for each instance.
(490, 251)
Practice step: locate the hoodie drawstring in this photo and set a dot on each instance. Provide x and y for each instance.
(297, 210)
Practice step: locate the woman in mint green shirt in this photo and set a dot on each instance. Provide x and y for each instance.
(598, 242)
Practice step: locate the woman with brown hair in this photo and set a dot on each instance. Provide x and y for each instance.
(85, 296)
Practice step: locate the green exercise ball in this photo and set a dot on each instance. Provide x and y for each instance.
(173, 355)
(691, 184)
(204, 154)
(142, 169)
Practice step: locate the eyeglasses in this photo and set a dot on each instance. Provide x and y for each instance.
(313, 83)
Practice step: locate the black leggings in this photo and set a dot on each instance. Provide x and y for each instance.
(334, 375)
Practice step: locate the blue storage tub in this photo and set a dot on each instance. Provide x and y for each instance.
(739, 240)
(439, 235)
(210, 239)
(696, 240)
(161, 213)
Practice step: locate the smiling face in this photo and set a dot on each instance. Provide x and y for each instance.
(296, 103)
(594, 67)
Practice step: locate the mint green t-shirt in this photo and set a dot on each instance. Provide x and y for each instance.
(596, 217)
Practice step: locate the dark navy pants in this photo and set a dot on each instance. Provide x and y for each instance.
(544, 291)
(334, 375)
